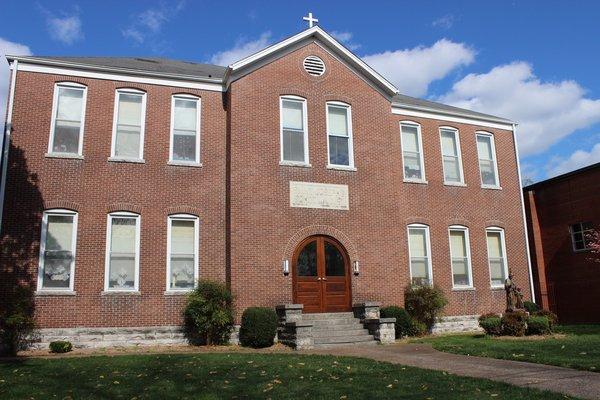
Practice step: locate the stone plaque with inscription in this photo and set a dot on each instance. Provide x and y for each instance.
(319, 195)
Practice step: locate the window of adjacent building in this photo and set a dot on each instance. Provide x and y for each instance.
(451, 158)
(339, 134)
(66, 132)
(182, 250)
(581, 235)
(57, 250)
(294, 138)
(412, 151)
(122, 252)
(128, 135)
(185, 129)
(419, 254)
(496, 256)
(487, 160)
(460, 254)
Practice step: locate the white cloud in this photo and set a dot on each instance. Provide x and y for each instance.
(445, 22)
(241, 49)
(147, 25)
(546, 111)
(14, 49)
(346, 38)
(67, 29)
(576, 160)
(412, 70)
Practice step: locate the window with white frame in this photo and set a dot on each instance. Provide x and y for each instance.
(182, 250)
(581, 235)
(185, 129)
(57, 250)
(128, 130)
(460, 254)
(487, 160)
(122, 252)
(496, 256)
(66, 131)
(451, 157)
(339, 134)
(294, 138)
(412, 151)
(419, 254)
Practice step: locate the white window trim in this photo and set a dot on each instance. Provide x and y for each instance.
(40, 280)
(184, 217)
(57, 87)
(188, 97)
(421, 157)
(494, 159)
(348, 108)
(458, 153)
(504, 255)
(136, 283)
(428, 248)
(140, 157)
(465, 230)
(282, 161)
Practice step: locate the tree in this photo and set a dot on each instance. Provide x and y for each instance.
(593, 241)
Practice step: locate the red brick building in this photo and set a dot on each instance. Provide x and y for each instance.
(561, 212)
(296, 175)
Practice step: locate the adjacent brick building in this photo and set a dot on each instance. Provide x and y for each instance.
(297, 174)
(561, 214)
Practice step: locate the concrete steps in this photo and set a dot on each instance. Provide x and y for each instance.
(337, 329)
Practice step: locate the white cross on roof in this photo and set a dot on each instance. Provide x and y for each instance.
(310, 19)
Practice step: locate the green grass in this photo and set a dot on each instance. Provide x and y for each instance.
(579, 349)
(240, 376)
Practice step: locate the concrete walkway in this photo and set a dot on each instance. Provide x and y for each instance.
(582, 384)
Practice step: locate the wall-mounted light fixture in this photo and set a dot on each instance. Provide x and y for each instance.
(286, 267)
(355, 267)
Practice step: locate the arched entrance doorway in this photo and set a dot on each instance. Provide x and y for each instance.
(321, 275)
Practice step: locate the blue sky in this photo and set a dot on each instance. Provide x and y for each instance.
(532, 61)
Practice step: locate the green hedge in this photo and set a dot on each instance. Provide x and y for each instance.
(538, 325)
(208, 314)
(531, 307)
(514, 323)
(60, 346)
(259, 327)
(424, 303)
(405, 324)
(491, 324)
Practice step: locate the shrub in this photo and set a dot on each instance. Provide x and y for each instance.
(60, 346)
(538, 325)
(17, 325)
(514, 323)
(208, 314)
(552, 318)
(531, 307)
(424, 303)
(491, 324)
(418, 329)
(405, 324)
(259, 327)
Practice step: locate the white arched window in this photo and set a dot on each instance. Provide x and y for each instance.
(488, 166)
(122, 252)
(182, 252)
(496, 249)
(294, 131)
(185, 130)
(68, 118)
(339, 135)
(460, 256)
(419, 254)
(412, 152)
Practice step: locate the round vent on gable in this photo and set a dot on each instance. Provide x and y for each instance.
(314, 66)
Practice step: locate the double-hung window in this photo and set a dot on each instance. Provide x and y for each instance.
(294, 134)
(581, 235)
(339, 135)
(460, 254)
(128, 127)
(122, 252)
(68, 115)
(412, 152)
(488, 167)
(182, 252)
(496, 256)
(57, 250)
(451, 157)
(185, 130)
(419, 249)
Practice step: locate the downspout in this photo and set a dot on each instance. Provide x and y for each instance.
(523, 214)
(5, 140)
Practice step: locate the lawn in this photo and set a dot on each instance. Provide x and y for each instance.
(240, 376)
(574, 346)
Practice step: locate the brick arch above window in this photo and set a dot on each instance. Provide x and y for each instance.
(132, 88)
(339, 98)
(458, 221)
(115, 207)
(417, 220)
(71, 81)
(61, 204)
(184, 210)
(186, 94)
(294, 92)
(494, 223)
(326, 230)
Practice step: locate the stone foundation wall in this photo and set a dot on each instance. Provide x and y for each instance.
(456, 324)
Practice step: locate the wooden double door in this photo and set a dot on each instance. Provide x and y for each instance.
(321, 275)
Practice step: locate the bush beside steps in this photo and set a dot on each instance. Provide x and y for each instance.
(259, 327)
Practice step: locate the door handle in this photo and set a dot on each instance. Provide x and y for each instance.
(324, 279)
(319, 278)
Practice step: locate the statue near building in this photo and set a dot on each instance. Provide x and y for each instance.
(514, 297)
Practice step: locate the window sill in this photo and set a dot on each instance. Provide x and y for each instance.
(178, 292)
(185, 164)
(127, 160)
(294, 164)
(497, 287)
(463, 289)
(419, 181)
(120, 293)
(64, 155)
(341, 168)
(45, 292)
(457, 184)
(491, 187)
